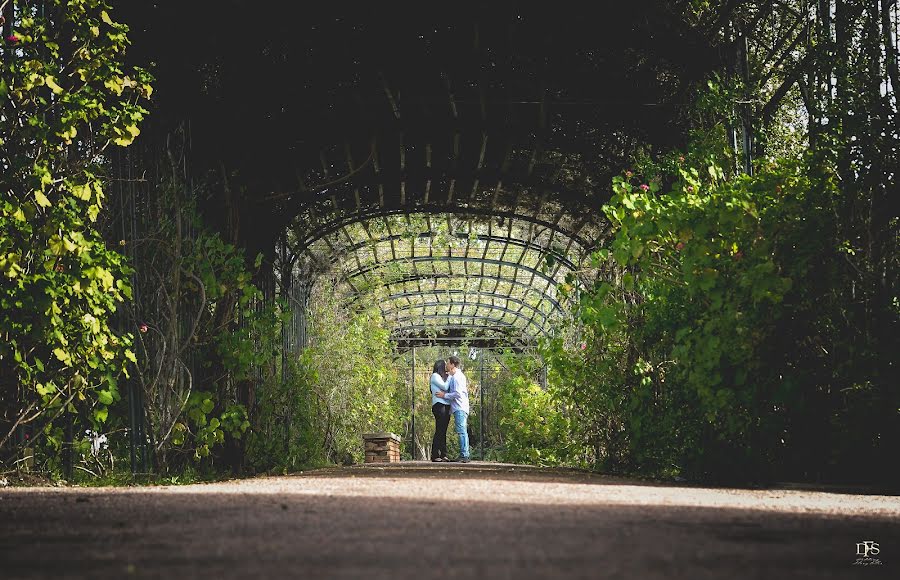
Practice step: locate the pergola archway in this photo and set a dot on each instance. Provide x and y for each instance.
(505, 113)
(452, 171)
(428, 273)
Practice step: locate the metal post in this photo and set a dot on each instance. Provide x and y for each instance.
(69, 453)
(745, 108)
(481, 406)
(413, 404)
(140, 433)
(132, 439)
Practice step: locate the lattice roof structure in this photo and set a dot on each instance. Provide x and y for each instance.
(433, 273)
(458, 201)
(446, 165)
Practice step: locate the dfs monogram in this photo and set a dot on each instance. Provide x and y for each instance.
(866, 548)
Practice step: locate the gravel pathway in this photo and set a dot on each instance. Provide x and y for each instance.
(421, 520)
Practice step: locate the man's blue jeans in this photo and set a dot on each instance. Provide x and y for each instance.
(459, 419)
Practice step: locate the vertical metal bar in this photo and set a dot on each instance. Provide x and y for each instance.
(69, 455)
(745, 108)
(481, 405)
(413, 404)
(132, 439)
(140, 433)
(285, 288)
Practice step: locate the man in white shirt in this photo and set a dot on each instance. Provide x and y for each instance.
(458, 395)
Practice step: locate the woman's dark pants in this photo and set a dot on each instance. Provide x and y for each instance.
(441, 420)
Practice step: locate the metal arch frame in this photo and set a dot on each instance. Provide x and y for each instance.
(559, 257)
(538, 318)
(499, 322)
(542, 252)
(401, 333)
(527, 245)
(436, 275)
(515, 342)
(456, 291)
(450, 259)
(477, 305)
(434, 209)
(432, 259)
(325, 217)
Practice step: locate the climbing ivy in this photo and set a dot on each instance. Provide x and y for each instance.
(65, 98)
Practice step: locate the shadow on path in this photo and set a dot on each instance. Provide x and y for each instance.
(349, 525)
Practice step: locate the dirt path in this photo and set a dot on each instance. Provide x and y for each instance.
(428, 521)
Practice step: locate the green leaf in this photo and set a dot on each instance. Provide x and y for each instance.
(101, 414)
(51, 82)
(62, 355)
(105, 397)
(41, 199)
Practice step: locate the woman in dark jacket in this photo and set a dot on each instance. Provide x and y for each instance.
(441, 410)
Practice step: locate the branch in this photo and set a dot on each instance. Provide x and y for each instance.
(325, 186)
(187, 339)
(163, 441)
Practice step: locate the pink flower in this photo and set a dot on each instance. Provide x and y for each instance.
(12, 39)
(679, 246)
(628, 174)
(583, 345)
(689, 188)
(27, 436)
(645, 187)
(681, 158)
(144, 328)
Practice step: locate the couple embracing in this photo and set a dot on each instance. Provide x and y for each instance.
(449, 395)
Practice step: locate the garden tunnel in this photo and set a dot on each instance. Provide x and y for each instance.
(447, 167)
(459, 182)
(457, 211)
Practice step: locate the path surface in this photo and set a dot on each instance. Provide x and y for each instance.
(442, 521)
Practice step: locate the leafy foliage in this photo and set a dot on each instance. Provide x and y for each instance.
(344, 384)
(703, 334)
(203, 325)
(534, 429)
(64, 99)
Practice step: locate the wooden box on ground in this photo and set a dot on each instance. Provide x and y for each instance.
(382, 447)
